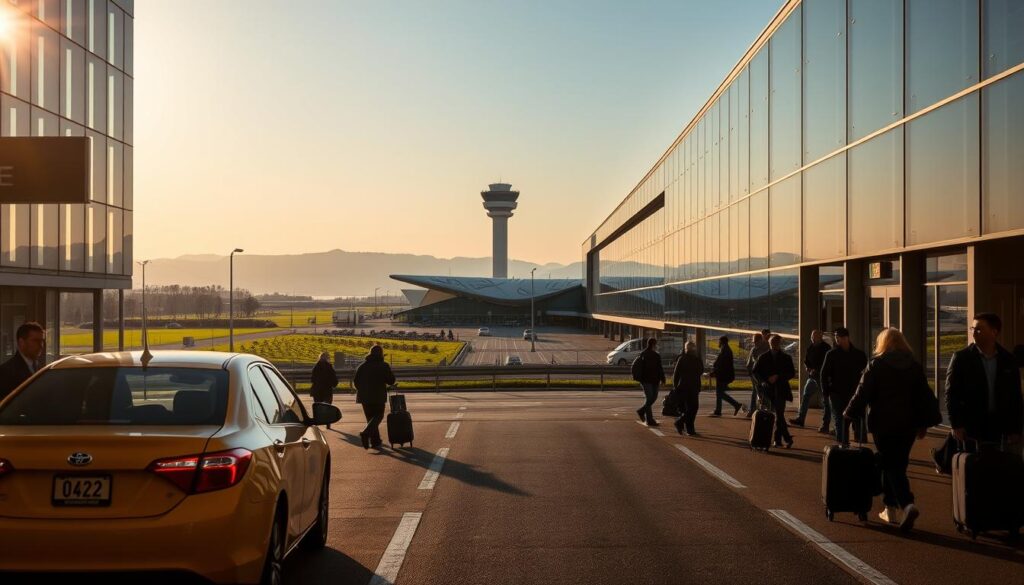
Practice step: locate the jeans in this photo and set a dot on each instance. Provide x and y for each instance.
(810, 388)
(374, 414)
(721, 393)
(691, 401)
(893, 458)
(781, 428)
(842, 425)
(650, 396)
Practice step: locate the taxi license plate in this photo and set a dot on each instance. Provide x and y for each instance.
(81, 490)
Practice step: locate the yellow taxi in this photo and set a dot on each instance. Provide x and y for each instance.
(195, 463)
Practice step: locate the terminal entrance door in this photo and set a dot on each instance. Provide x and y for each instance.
(883, 310)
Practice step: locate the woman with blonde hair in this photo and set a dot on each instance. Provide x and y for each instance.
(903, 406)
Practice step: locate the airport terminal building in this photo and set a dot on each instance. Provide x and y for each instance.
(860, 165)
(66, 69)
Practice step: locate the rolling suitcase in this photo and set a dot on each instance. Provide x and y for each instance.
(849, 480)
(762, 426)
(986, 491)
(399, 422)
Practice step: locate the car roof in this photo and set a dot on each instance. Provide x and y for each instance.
(209, 360)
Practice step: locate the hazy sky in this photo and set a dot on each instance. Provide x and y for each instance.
(287, 127)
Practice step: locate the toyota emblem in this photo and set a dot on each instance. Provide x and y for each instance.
(79, 459)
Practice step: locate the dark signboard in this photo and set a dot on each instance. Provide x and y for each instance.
(50, 169)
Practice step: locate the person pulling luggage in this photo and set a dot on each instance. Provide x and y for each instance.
(903, 406)
(840, 375)
(813, 361)
(686, 386)
(774, 369)
(323, 380)
(758, 347)
(371, 380)
(724, 373)
(647, 370)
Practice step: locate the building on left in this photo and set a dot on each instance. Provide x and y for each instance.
(66, 69)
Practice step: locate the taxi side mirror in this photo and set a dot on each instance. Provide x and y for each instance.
(325, 414)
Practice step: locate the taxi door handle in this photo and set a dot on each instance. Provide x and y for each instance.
(306, 443)
(279, 446)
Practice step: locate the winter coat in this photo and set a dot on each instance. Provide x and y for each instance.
(651, 370)
(371, 380)
(894, 385)
(779, 364)
(723, 369)
(815, 358)
(967, 395)
(686, 374)
(323, 379)
(841, 372)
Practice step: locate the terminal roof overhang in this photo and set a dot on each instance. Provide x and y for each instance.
(502, 291)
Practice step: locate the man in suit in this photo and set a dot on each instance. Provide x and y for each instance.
(774, 370)
(31, 340)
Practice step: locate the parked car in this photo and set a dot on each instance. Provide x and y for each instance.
(528, 334)
(513, 360)
(483, 331)
(172, 325)
(203, 463)
(627, 351)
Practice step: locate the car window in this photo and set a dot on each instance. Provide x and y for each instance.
(121, 396)
(293, 410)
(265, 397)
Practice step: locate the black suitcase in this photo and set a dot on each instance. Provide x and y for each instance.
(762, 426)
(987, 487)
(849, 480)
(400, 428)
(397, 402)
(670, 405)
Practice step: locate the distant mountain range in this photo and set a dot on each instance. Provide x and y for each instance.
(333, 273)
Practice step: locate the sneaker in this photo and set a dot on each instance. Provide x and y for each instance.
(640, 413)
(679, 426)
(890, 515)
(796, 422)
(776, 444)
(910, 514)
(691, 433)
(653, 423)
(789, 443)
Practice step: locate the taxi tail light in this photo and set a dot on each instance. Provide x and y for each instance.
(5, 467)
(196, 474)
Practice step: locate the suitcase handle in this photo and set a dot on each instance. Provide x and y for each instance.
(962, 445)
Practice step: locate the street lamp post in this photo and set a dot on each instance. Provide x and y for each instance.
(533, 332)
(231, 298)
(145, 335)
(375, 301)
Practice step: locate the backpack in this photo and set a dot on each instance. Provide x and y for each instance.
(637, 369)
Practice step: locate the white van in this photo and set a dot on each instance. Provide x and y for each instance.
(627, 351)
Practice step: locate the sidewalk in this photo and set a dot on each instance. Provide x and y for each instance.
(790, 480)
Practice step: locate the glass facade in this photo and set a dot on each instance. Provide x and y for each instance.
(851, 129)
(63, 72)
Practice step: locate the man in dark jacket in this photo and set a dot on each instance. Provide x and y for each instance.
(371, 380)
(983, 393)
(686, 387)
(724, 373)
(650, 373)
(840, 374)
(774, 370)
(31, 341)
(813, 360)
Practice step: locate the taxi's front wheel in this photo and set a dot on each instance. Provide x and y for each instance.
(272, 566)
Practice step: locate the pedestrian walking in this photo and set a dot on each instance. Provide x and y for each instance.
(323, 380)
(647, 370)
(813, 361)
(983, 390)
(371, 380)
(686, 387)
(724, 373)
(840, 374)
(902, 407)
(31, 341)
(774, 369)
(758, 347)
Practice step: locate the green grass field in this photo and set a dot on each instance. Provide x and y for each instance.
(306, 349)
(78, 338)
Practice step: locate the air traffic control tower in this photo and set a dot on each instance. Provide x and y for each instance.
(499, 201)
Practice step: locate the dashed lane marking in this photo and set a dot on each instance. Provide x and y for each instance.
(460, 415)
(708, 467)
(452, 430)
(836, 553)
(430, 478)
(391, 563)
(462, 408)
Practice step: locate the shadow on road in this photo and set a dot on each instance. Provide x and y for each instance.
(326, 565)
(994, 547)
(453, 468)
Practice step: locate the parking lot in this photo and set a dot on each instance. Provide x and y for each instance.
(560, 345)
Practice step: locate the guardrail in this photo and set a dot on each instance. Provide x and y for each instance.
(542, 374)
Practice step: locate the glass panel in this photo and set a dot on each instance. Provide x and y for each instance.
(876, 319)
(95, 93)
(759, 231)
(111, 317)
(952, 326)
(129, 257)
(942, 50)
(97, 27)
(831, 278)
(129, 42)
(759, 294)
(943, 179)
(96, 238)
(930, 321)
(98, 154)
(1003, 143)
(743, 103)
(76, 323)
(876, 65)
(784, 233)
(1004, 43)
(72, 237)
(785, 97)
(72, 89)
(744, 236)
(115, 173)
(115, 103)
(824, 205)
(45, 230)
(784, 301)
(75, 20)
(759, 120)
(15, 56)
(45, 68)
(14, 248)
(115, 36)
(824, 101)
(115, 260)
(947, 268)
(734, 142)
(129, 173)
(894, 312)
(876, 194)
